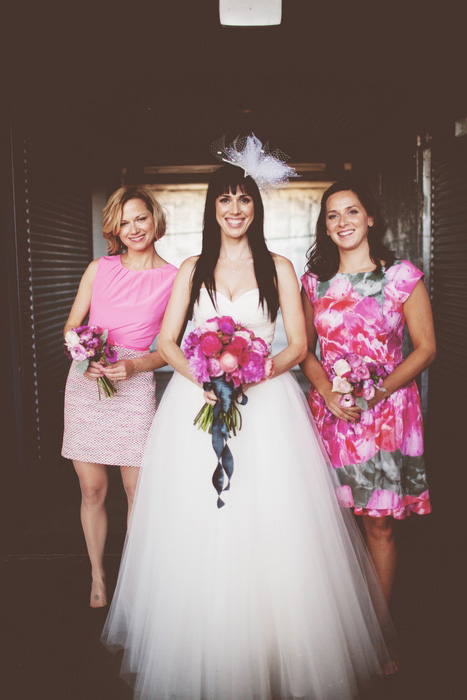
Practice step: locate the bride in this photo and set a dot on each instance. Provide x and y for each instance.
(268, 597)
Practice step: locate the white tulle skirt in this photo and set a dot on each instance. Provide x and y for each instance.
(271, 596)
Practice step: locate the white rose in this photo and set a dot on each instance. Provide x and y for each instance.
(341, 367)
(71, 339)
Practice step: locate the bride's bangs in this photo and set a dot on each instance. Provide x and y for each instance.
(230, 178)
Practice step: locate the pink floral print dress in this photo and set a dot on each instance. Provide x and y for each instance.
(379, 459)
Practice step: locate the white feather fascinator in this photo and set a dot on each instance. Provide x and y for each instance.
(267, 168)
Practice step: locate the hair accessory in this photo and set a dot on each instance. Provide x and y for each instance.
(268, 169)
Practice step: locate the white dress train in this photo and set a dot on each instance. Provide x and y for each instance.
(270, 597)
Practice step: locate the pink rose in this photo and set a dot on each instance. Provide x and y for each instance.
(214, 367)
(268, 367)
(353, 360)
(243, 359)
(78, 353)
(368, 393)
(341, 385)
(210, 344)
(362, 372)
(212, 324)
(246, 334)
(236, 346)
(228, 362)
(346, 400)
(258, 345)
(86, 335)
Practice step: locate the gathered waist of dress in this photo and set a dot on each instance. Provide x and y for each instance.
(127, 347)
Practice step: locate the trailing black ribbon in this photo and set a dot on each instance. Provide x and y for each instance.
(226, 394)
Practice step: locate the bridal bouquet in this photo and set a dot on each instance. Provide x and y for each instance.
(356, 379)
(225, 356)
(87, 343)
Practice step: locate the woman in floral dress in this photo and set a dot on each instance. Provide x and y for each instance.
(357, 298)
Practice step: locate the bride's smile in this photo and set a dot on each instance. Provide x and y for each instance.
(234, 213)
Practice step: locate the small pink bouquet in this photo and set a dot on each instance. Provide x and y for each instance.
(224, 356)
(356, 379)
(87, 343)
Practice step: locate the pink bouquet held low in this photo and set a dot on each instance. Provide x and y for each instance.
(87, 343)
(225, 356)
(356, 379)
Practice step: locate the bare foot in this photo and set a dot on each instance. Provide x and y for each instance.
(98, 595)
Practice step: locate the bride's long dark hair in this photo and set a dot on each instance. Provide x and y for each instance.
(229, 179)
(323, 256)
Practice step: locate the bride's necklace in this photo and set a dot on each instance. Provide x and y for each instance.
(241, 262)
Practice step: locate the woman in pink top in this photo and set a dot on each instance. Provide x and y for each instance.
(126, 293)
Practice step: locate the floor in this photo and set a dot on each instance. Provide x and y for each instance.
(51, 638)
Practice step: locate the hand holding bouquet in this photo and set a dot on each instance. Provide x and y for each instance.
(224, 356)
(87, 343)
(356, 379)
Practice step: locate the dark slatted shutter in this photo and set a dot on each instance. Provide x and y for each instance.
(55, 246)
(448, 378)
(60, 234)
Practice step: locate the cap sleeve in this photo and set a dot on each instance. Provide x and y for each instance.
(402, 276)
(309, 281)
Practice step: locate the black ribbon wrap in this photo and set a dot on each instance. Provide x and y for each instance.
(227, 394)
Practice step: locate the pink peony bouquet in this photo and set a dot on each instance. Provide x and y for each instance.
(229, 353)
(225, 356)
(356, 379)
(91, 343)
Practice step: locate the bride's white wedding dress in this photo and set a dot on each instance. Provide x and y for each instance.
(265, 598)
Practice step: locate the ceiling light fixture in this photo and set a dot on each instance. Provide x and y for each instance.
(250, 13)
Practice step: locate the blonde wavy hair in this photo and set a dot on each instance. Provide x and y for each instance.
(113, 213)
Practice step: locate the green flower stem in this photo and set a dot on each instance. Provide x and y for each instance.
(107, 387)
(232, 419)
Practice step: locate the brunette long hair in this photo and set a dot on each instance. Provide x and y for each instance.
(323, 256)
(227, 179)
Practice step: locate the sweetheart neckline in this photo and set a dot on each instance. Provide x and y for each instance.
(232, 301)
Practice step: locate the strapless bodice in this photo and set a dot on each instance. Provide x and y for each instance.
(246, 310)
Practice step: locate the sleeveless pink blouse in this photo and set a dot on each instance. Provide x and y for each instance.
(130, 304)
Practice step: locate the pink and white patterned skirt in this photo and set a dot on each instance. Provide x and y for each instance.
(109, 430)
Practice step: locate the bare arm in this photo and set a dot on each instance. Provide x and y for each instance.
(82, 302)
(292, 315)
(174, 321)
(419, 319)
(124, 369)
(313, 370)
